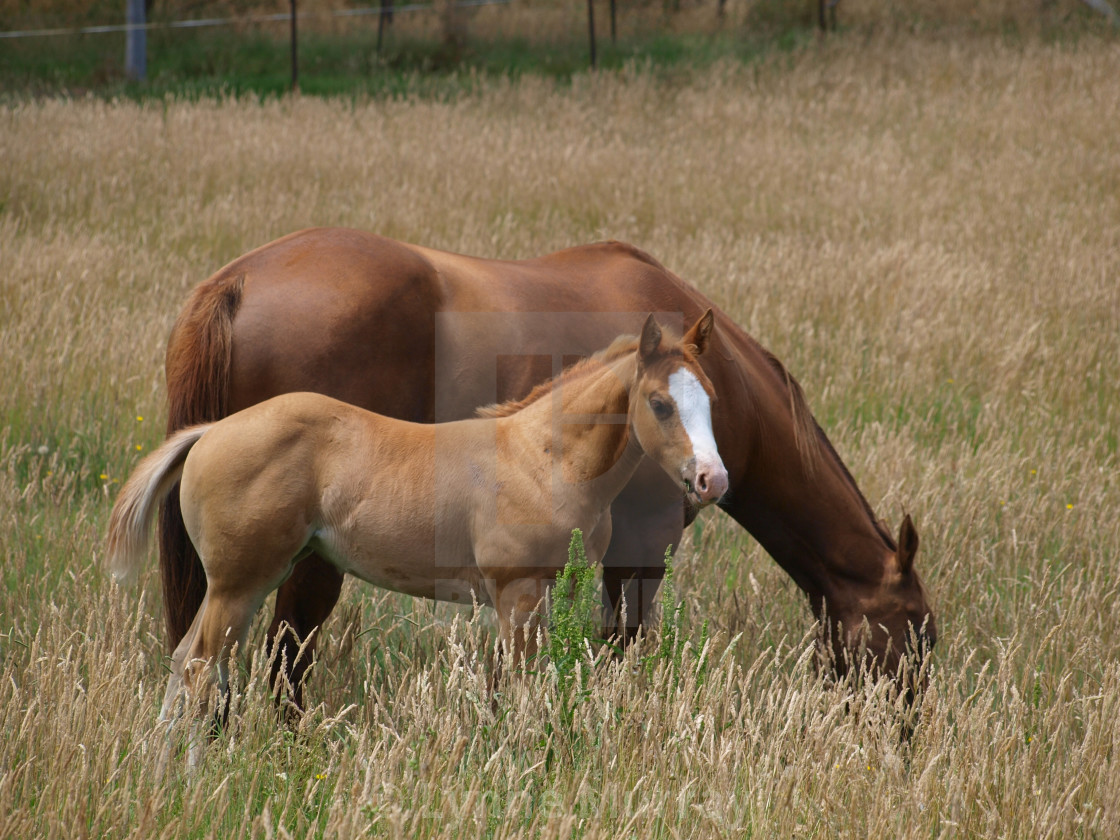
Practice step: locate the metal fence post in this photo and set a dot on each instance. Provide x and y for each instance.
(295, 52)
(135, 41)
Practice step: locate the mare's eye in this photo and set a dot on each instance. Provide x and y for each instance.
(662, 410)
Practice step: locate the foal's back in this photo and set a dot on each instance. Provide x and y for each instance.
(305, 472)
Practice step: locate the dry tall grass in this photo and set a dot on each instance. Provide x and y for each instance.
(928, 234)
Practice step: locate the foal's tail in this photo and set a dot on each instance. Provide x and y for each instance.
(131, 518)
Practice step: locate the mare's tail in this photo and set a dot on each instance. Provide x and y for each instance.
(132, 513)
(198, 372)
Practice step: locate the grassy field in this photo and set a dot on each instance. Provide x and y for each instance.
(925, 229)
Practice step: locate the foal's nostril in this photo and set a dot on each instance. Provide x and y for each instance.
(711, 484)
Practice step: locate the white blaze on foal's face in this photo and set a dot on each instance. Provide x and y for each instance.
(709, 479)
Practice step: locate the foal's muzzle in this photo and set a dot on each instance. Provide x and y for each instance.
(707, 484)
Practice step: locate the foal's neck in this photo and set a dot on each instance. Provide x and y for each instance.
(587, 419)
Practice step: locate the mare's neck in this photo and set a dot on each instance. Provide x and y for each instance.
(796, 497)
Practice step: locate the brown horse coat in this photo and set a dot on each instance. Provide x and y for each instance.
(427, 335)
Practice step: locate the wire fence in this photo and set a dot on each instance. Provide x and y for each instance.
(277, 17)
(136, 27)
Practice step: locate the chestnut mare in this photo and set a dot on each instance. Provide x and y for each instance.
(427, 335)
(484, 506)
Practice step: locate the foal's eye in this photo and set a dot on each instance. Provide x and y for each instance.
(661, 410)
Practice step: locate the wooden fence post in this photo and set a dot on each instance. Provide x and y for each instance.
(591, 29)
(384, 18)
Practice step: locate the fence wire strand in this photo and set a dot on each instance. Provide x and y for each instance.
(201, 23)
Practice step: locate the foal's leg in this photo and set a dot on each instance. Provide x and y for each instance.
(175, 697)
(201, 661)
(302, 604)
(518, 604)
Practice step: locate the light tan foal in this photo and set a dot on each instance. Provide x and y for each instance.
(485, 505)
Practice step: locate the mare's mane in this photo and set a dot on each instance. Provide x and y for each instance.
(813, 443)
(807, 434)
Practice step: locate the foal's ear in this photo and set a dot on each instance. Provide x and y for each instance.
(700, 333)
(651, 338)
(907, 545)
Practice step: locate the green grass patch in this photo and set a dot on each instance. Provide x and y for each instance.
(257, 63)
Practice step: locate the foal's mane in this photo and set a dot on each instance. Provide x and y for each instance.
(616, 349)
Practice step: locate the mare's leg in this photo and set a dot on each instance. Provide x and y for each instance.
(648, 516)
(302, 604)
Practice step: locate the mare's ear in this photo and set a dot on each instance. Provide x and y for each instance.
(651, 338)
(907, 545)
(700, 333)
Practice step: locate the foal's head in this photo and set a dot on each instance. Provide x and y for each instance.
(671, 409)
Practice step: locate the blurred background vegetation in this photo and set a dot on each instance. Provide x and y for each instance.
(434, 46)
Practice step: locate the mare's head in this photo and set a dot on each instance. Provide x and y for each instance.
(878, 627)
(671, 409)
